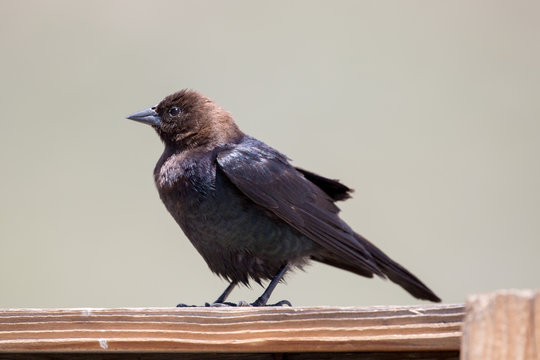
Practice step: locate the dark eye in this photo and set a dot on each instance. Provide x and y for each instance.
(174, 111)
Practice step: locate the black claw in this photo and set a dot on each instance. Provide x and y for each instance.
(241, 303)
(220, 304)
(279, 303)
(185, 305)
(282, 303)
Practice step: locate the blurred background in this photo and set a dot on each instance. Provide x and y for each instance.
(429, 110)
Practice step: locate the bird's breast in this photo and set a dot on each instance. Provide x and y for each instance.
(224, 225)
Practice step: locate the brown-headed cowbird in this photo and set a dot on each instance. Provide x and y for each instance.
(246, 209)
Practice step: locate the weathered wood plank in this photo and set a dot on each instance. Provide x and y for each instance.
(232, 330)
(420, 355)
(502, 325)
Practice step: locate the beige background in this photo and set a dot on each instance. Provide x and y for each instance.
(430, 110)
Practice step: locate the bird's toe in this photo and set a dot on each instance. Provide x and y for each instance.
(279, 303)
(185, 305)
(221, 304)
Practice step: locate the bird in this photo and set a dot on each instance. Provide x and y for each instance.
(247, 210)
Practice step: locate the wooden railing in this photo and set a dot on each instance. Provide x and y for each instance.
(501, 323)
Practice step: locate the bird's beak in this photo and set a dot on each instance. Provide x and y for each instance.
(147, 116)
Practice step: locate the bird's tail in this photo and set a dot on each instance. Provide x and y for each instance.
(397, 273)
(391, 269)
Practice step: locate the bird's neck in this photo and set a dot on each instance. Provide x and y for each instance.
(206, 137)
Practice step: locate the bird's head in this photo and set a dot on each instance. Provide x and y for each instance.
(189, 120)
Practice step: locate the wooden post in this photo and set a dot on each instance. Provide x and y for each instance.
(502, 325)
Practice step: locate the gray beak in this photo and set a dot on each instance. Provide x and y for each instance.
(147, 116)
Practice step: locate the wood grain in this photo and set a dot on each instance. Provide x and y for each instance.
(418, 355)
(502, 325)
(232, 330)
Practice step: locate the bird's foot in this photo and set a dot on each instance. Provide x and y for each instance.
(224, 304)
(279, 303)
(243, 303)
(186, 305)
(217, 304)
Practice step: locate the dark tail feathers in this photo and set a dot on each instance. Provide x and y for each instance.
(398, 274)
(391, 269)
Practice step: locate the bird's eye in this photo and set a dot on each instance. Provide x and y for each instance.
(174, 111)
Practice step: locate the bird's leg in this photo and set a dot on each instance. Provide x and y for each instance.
(221, 299)
(226, 293)
(263, 299)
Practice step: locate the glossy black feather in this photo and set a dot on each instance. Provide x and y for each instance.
(266, 177)
(333, 188)
(246, 209)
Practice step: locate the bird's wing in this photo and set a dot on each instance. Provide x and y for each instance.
(265, 176)
(333, 188)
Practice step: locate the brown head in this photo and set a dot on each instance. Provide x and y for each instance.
(188, 120)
